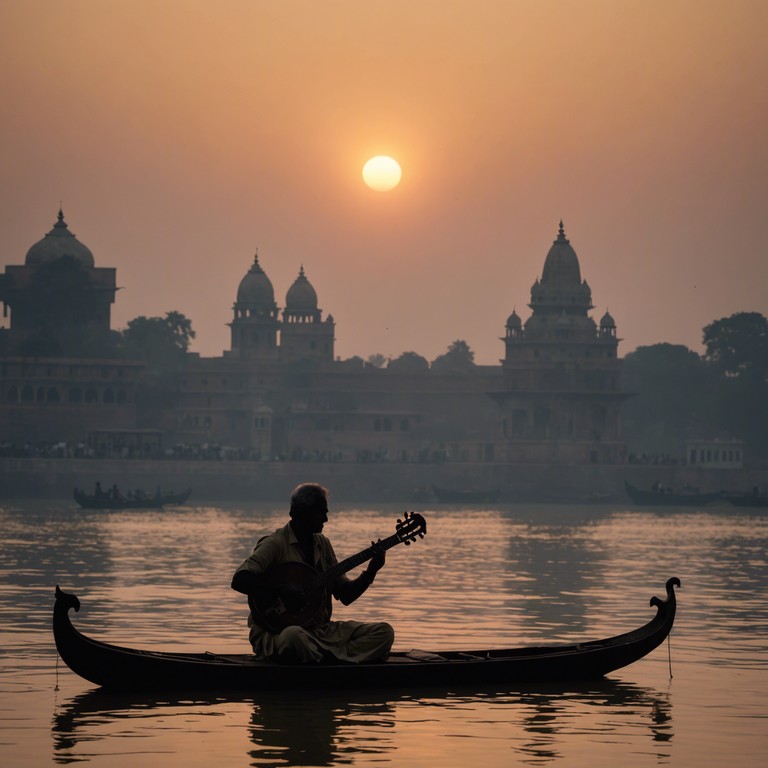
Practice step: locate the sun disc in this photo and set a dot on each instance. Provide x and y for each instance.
(382, 173)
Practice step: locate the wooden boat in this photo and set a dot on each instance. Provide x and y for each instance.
(104, 501)
(668, 498)
(747, 499)
(116, 667)
(464, 496)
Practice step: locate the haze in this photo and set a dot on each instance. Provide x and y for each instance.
(179, 137)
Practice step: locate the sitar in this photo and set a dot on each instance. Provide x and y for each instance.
(270, 612)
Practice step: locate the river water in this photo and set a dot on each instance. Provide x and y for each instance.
(482, 578)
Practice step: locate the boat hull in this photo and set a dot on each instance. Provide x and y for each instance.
(669, 498)
(747, 500)
(464, 496)
(116, 667)
(151, 502)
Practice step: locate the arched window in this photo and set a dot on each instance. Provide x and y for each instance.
(109, 395)
(75, 395)
(53, 395)
(40, 395)
(121, 396)
(12, 395)
(27, 394)
(91, 396)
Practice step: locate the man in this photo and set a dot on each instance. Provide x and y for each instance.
(322, 640)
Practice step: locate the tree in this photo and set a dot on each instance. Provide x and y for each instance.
(737, 350)
(162, 341)
(458, 359)
(181, 326)
(738, 345)
(409, 362)
(377, 360)
(675, 397)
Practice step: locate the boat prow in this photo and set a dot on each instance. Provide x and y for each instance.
(116, 667)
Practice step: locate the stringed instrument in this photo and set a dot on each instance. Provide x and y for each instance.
(270, 612)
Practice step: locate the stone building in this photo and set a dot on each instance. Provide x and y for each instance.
(561, 380)
(58, 292)
(55, 385)
(279, 393)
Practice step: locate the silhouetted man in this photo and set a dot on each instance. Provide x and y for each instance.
(282, 592)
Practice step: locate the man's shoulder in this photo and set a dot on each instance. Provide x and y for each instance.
(278, 535)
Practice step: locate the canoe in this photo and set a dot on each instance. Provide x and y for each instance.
(90, 501)
(665, 498)
(746, 499)
(120, 668)
(464, 495)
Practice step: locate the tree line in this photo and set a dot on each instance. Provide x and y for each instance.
(677, 394)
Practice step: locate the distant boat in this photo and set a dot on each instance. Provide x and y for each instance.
(148, 501)
(465, 496)
(747, 499)
(662, 497)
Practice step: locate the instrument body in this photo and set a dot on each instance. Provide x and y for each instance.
(269, 607)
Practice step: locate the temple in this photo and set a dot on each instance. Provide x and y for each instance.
(279, 392)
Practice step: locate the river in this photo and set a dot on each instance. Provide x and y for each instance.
(490, 577)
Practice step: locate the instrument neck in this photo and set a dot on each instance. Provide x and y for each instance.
(352, 562)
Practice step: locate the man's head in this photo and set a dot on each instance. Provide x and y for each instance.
(309, 507)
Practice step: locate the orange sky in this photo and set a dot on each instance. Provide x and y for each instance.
(182, 135)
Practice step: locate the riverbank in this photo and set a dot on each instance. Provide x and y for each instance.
(349, 481)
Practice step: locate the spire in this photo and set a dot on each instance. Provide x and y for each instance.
(60, 223)
(561, 234)
(256, 267)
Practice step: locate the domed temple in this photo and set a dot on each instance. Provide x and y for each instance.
(56, 383)
(58, 291)
(561, 374)
(278, 393)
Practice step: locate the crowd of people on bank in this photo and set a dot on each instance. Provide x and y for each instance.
(213, 452)
(653, 458)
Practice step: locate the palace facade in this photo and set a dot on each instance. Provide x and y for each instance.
(279, 393)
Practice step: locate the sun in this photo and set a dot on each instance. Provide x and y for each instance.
(382, 173)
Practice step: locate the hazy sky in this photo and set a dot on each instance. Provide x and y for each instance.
(180, 136)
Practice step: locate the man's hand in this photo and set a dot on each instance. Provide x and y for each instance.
(378, 559)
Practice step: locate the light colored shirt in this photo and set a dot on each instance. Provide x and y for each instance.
(282, 546)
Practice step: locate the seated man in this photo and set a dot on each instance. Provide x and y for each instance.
(319, 639)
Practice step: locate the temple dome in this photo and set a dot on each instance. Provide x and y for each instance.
(255, 289)
(514, 321)
(301, 296)
(562, 264)
(607, 321)
(57, 243)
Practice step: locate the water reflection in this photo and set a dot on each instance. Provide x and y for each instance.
(320, 731)
(343, 728)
